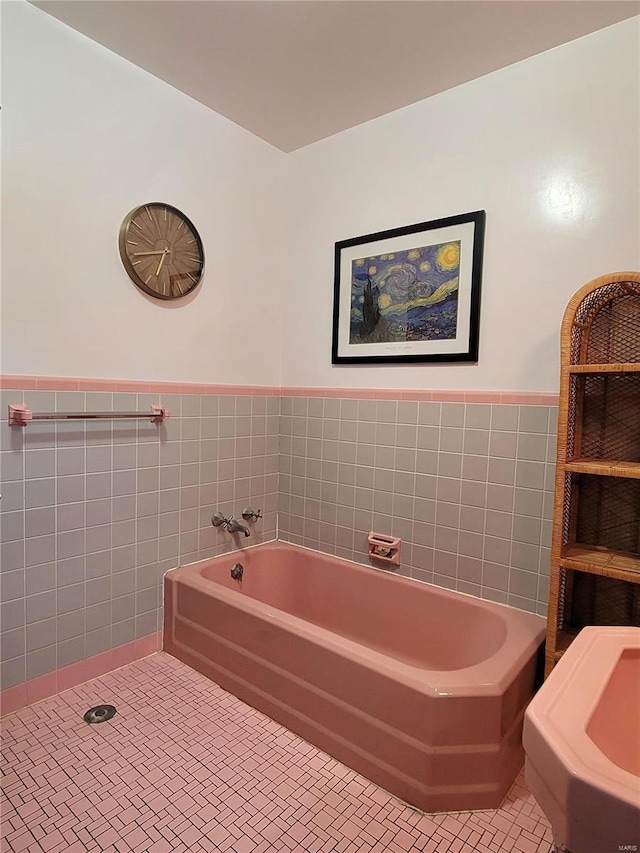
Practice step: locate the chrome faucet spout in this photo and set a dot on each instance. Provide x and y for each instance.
(234, 526)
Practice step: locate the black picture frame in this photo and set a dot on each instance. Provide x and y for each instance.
(410, 294)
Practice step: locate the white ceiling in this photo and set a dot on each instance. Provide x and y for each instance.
(296, 71)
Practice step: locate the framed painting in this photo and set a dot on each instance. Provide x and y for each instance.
(410, 294)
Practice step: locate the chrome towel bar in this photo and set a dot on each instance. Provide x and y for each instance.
(22, 415)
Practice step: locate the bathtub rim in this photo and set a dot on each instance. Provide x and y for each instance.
(489, 678)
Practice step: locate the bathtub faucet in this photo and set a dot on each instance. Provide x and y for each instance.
(234, 526)
(218, 519)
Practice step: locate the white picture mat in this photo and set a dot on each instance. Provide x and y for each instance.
(465, 234)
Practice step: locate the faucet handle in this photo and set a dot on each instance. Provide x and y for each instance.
(218, 519)
(248, 513)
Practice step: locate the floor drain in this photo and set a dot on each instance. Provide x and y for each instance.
(99, 714)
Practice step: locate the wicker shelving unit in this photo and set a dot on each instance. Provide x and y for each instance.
(594, 576)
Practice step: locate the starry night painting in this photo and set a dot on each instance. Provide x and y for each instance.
(410, 295)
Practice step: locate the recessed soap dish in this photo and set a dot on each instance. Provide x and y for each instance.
(386, 549)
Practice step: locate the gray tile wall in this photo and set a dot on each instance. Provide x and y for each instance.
(94, 512)
(468, 488)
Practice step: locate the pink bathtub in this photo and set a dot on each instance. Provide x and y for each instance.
(420, 689)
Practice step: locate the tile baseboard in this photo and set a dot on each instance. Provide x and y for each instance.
(17, 697)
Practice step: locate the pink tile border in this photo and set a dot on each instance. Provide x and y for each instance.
(527, 398)
(52, 383)
(12, 699)
(20, 383)
(66, 383)
(15, 698)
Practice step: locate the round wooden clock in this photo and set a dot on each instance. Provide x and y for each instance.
(161, 250)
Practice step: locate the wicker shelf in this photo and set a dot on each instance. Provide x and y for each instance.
(629, 367)
(565, 637)
(594, 576)
(601, 561)
(604, 468)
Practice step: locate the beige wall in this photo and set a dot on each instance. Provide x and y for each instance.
(87, 137)
(548, 147)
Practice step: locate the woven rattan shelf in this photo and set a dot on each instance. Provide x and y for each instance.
(565, 638)
(601, 561)
(594, 577)
(604, 368)
(614, 468)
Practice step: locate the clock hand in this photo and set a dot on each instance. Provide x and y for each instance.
(161, 252)
(164, 255)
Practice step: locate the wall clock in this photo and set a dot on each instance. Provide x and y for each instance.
(161, 250)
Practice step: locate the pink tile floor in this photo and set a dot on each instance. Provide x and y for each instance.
(184, 766)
